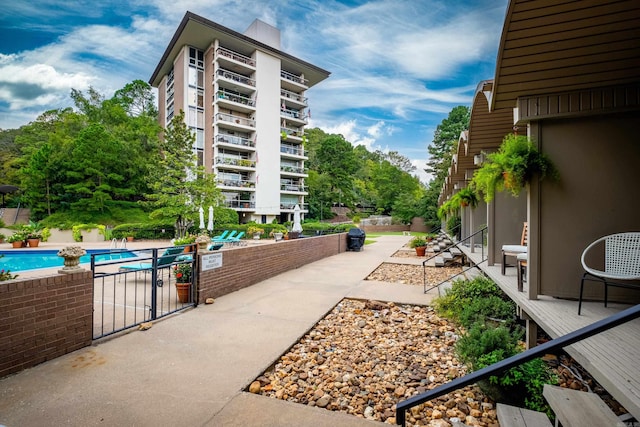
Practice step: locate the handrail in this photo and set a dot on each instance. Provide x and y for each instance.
(520, 358)
(424, 263)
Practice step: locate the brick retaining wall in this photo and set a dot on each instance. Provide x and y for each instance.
(245, 266)
(44, 318)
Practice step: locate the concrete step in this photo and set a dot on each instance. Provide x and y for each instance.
(512, 416)
(447, 256)
(579, 409)
(455, 251)
(439, 261)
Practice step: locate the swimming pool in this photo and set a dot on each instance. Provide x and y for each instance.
(23, 260)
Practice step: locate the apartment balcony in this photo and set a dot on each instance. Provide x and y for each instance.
(236, 80)
(293, 151)
(231, 121)
(286, 206)
(293, 98)
(240, 204)
(293, 188)
(234, 60)
(234, 163)
(293, 134)
(234, 101)
(292, 170)
(295, 116)
(243, 184)
(292, 82)
(233, 141)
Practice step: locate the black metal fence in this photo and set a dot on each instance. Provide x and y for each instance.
(131, 287)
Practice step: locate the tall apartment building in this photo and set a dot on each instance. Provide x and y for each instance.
(245, 101)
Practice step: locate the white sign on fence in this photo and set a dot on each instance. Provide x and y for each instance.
(211, 261)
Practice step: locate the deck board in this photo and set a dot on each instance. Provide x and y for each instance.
(611, 356)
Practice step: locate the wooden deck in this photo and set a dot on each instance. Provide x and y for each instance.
(611, 357)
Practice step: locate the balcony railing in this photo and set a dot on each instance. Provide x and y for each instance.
(291, 149)
(293, 187)
(292, 77)
(292, 132)
(224, 117)
(291, 206)
(291, 169)
(231, 161)
(230, 75)
(294, 114)
(236, 56)
(292, 95)
(240, 183)
(239, 204)
(235, 140)
(234, 97)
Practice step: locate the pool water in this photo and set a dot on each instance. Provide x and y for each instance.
(23, 260)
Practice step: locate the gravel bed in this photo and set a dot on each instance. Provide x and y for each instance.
(411, 274)
(365, 356)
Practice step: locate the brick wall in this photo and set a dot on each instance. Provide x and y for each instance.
(44, 318)
(245, 266)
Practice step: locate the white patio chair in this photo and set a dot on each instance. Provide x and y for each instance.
(621, 262)
(515, 250)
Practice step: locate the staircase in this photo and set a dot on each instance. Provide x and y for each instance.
(12, 216)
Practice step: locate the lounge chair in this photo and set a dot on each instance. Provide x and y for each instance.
(215, 246)
(229, 235)
(221, 236)
(236, 239)
(169, 256)
(515, 250)
(621, 262)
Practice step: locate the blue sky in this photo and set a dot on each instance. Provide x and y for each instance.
(397, 66)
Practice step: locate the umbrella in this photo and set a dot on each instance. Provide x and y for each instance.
(201, 218)
(296, 220)
(6, 189)
(210, 224)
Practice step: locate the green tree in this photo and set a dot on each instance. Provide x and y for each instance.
(441, 151)
(179, 188)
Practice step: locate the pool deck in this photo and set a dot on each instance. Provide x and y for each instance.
(106, 245)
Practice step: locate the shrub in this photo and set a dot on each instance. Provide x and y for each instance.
(462, 293)
(520, 386)
(491, 307)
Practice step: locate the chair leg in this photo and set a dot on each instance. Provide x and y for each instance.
(581, 289)
(504, 262)
(520, 267)
(606, 292)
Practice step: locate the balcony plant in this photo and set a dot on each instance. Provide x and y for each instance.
(202, 240)
(516, 163)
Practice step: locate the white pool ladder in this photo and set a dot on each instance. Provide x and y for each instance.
(115, 245)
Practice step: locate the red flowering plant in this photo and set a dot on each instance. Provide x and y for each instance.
(182, 272)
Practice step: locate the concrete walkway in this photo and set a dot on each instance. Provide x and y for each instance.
(190, 369)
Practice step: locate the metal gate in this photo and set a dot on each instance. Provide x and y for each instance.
(131, 287)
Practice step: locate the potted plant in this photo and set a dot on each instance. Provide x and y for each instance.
(515, 163)
(255, 231)
(278, 232)
(183, 275)
(2, 237)
(419, 243)
(17, 239)
(466, 197)
(187, 241)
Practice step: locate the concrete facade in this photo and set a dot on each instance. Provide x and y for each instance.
(245, 101)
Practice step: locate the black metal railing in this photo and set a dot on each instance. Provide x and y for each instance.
(452, 245)
(513, 361)
(136, 286)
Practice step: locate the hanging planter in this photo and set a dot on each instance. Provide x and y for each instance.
(516, 163)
